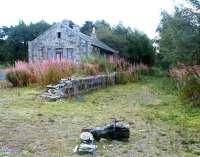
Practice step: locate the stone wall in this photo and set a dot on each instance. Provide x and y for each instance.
(77, 85)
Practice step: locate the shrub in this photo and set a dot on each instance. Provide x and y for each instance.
(131, 75)
(12, 77)
(155, 71)
(89, 69)
(19, 75)
(18, 78)
(188, 83)
(122, 78)
(190, 91)
(102, 63)
(179, 74)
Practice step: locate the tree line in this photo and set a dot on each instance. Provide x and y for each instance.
(179, 36)
(131, 44)
(14, 40)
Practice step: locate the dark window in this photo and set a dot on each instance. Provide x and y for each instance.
(59, 34)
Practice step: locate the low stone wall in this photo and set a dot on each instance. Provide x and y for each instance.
(77, 85)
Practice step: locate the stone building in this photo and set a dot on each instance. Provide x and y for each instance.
(61, 41)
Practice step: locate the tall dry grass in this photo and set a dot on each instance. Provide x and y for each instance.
(50, 71)
(43, 72)
(188, 83)
(180, 73)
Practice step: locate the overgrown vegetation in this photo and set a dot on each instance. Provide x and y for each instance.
(190, 91)
(179, 46)
(51, 71)
(188, 83)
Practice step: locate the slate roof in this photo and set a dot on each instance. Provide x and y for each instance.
(102, 45)
(96, 42)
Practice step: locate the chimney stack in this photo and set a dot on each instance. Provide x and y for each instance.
(93, 33)
(65, 23)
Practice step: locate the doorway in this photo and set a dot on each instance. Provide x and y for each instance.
(59, 54)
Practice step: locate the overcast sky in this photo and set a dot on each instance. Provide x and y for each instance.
(141, 14)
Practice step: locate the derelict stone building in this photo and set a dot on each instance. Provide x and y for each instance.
(60, 41)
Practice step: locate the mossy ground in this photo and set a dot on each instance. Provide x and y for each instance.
(160, 124)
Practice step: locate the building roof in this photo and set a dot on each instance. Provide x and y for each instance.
(102, 45)
(96, 42)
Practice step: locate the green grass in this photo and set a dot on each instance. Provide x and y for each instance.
(171, 109)
(2, 66)
(30, 126)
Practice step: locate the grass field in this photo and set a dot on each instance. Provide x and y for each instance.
(160, 124)
(2, 66)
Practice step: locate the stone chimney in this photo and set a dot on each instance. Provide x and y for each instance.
(93, 33)
(76, 28)
(65, 23)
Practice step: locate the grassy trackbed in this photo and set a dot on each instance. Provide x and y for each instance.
(160, 124)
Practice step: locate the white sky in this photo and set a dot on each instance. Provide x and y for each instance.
(141, 14)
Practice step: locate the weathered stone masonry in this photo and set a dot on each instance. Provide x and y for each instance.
(75, 86)
(62, 41)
